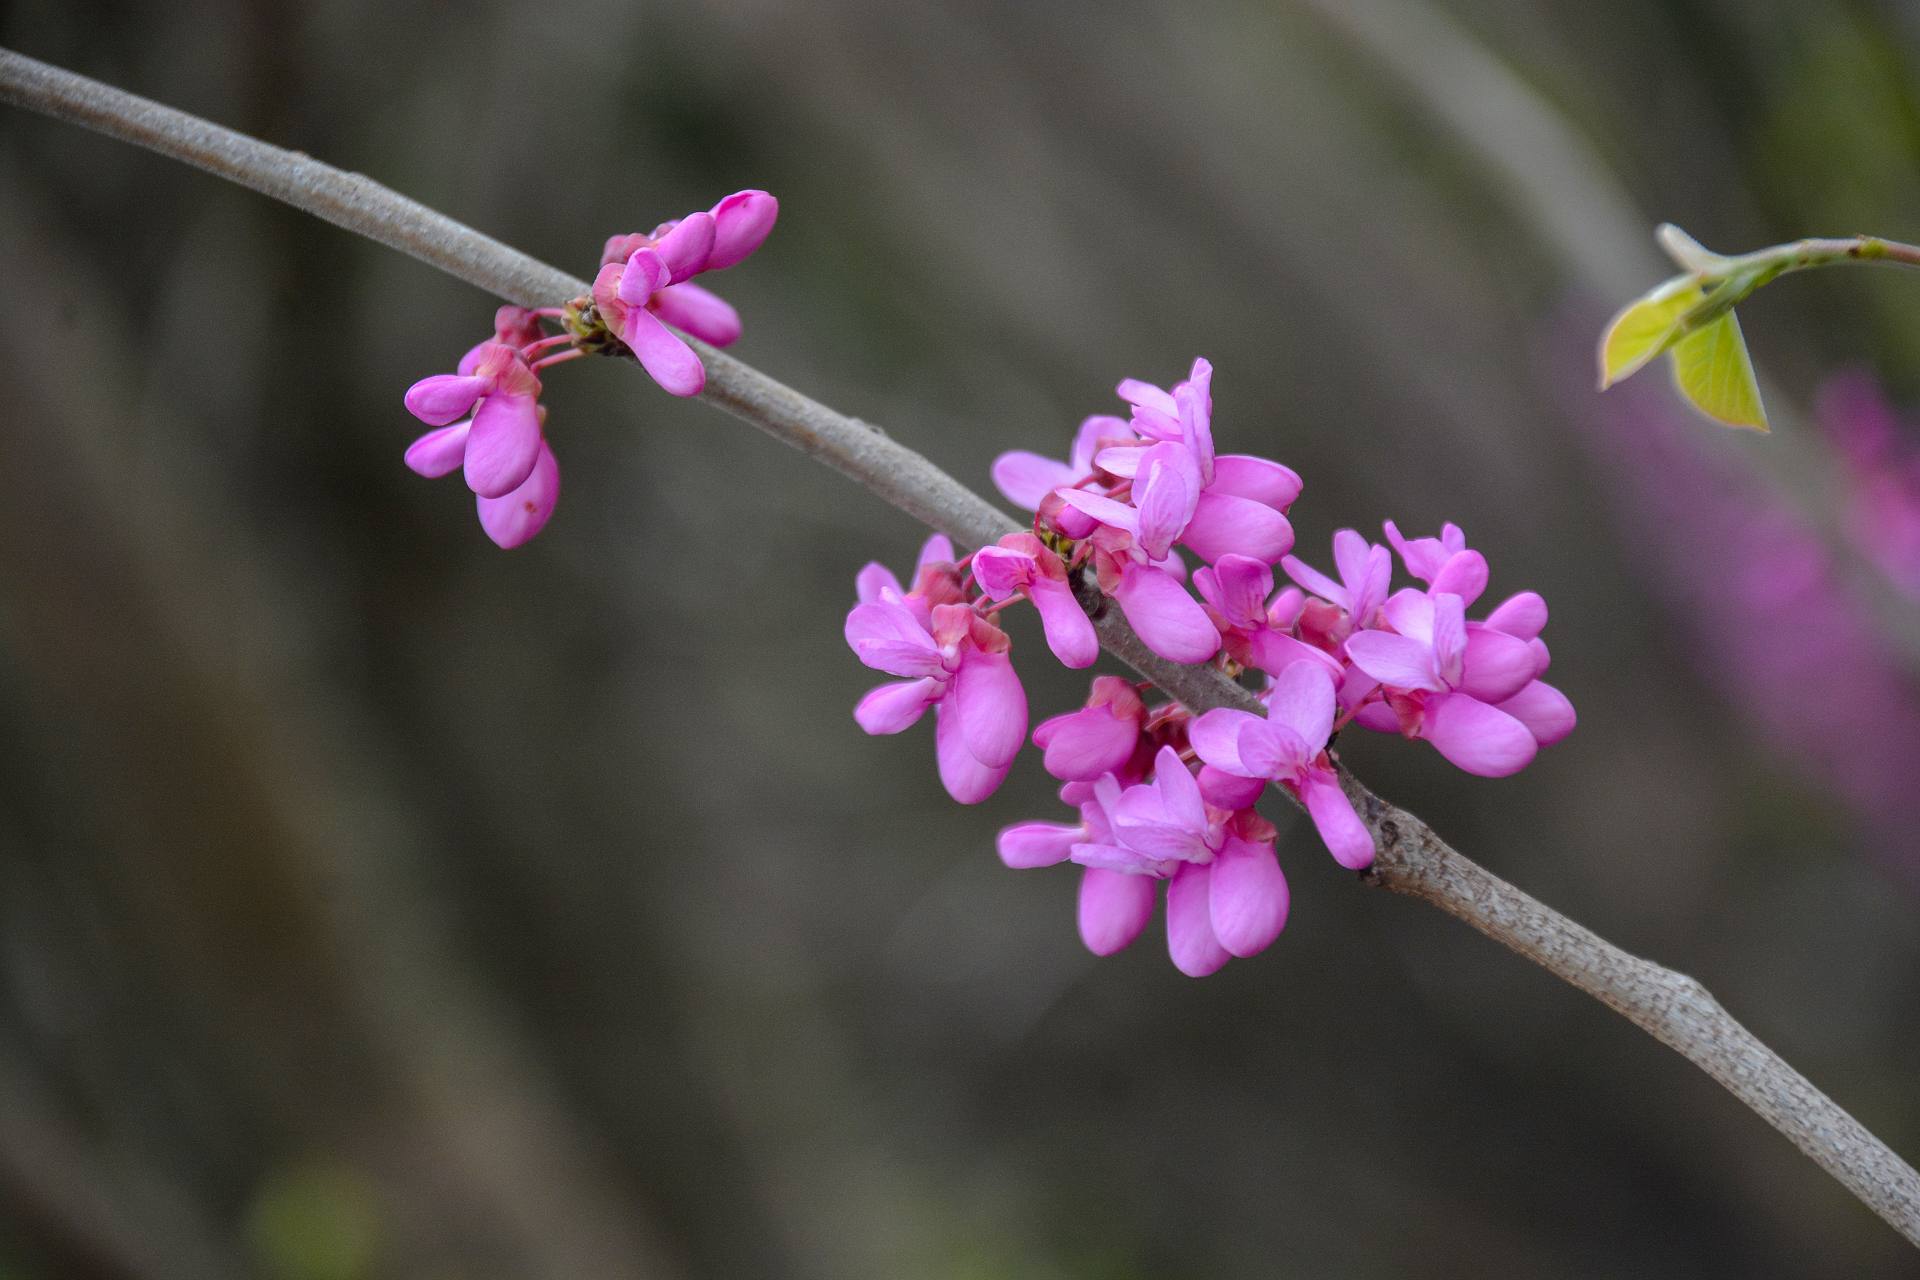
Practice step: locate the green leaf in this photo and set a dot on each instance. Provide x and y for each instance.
(1712, 369)
(1649, 325)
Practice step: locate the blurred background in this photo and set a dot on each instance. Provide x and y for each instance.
(374, 903)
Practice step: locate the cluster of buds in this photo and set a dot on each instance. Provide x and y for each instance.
(486, 415)
(1161, 794)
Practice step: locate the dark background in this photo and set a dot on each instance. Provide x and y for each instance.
(374, 903)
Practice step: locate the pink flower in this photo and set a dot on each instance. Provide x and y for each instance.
(502, 443)
(510, 468)
(1257, 633)
(1226, 895)
(1444, 678)
(1099, 738)
(1365, 571)
(1155, 484)
(1289, 747)
(950, 659)
(642, 286)
(1023, 565)
(1443, 563)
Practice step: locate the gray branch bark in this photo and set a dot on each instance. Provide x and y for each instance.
(1670, 1006)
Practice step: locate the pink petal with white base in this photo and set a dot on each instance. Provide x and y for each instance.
(444, 397)
(694, 310)
(439, 452)
(1114, 909)
(1246, 897)
(516, 517)
(741, 223)
(874, 582)
(1191, 943)
(1025, 845)
(937, 549)
(669, 361)
(1481, 739)
(503, 445)
(1170, 622)
(892, 708)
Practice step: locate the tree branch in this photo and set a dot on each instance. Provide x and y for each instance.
(1411, 859)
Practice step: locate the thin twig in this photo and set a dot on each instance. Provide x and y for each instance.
(1412, 860)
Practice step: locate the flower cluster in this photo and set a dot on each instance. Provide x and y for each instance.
(487, 419)
(1881, 477)
(1160, 794)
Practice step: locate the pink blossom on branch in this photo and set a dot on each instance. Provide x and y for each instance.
(641, 289)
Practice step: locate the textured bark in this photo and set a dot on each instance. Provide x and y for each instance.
(1411, 859)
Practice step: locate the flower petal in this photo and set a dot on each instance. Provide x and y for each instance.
(1400, 661)
(740, 225)
(1228, 791)
(1027, 478)
(1037, 844)
(895, 707)
(1244, 476)
(965, 778)
(1246, 897)
(1215, 738)
(1225, 525)
(1481, 739)
(1496, 665)
(1114, 909)
(1302, 700)
(1170, 622)
(645, 274)
(1346, 837)
(1191, 943)
(445, 397)
(669, 361)
(1463, 574)
(1546, 712)
(1237, 587)
(1081, 745)
(704, 314)
(873, 582)
(990, 705)
(514, 518)
(503, 445)
(1523, 615)
(684, 250)
(1069, 631)
(886, 636)
(439, 452)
